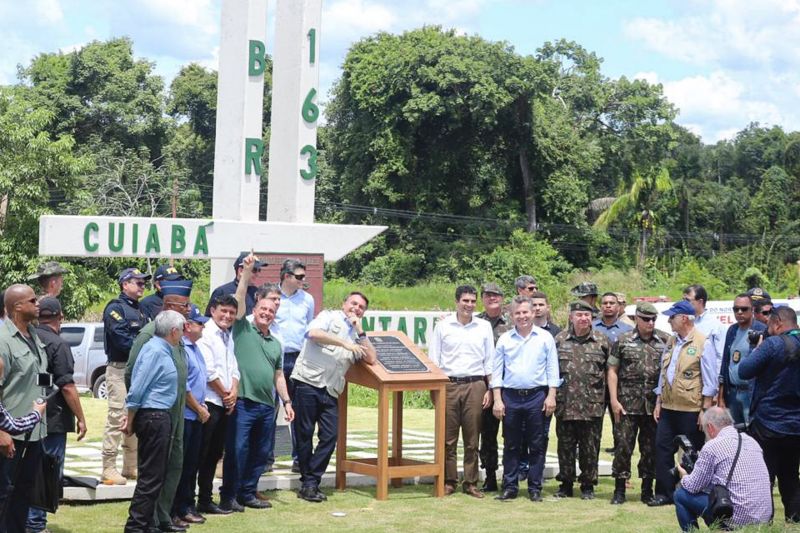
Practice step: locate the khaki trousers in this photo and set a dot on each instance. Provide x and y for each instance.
(113, 436)
(463, 411)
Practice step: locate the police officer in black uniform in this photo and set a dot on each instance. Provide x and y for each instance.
(122, 319)
(230, 287)
(151, 305)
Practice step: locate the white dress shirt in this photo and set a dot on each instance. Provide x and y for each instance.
(462, 350)
(220, 359)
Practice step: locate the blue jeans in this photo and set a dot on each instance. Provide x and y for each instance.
(192, 442)
(688, 507)
(247, 447)
(523, 430)
(739, 405)
(54, 444)
(314, 407)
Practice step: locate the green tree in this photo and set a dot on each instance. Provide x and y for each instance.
(637, 206)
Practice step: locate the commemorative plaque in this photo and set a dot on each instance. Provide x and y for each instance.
(395, 356)
(401, 366)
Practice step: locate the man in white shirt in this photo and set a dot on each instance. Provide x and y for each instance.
(222, 376)
(713, 330)
(463, 347)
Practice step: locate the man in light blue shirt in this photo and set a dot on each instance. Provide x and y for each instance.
(295, 313)
(609, 322)
(524, 381)
(713, 330)
(153, 391)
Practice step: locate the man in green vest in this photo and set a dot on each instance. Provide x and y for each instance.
(176, 298)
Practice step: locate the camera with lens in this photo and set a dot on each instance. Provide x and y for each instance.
(754, 336)
(688, 458)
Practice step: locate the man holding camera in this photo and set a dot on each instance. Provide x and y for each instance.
(748, 484)
(687, 385)
(775, 410)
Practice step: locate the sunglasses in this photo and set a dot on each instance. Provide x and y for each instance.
(765, 312)
(646, 318)
(741, 309)
(299, 277)
(531, 288)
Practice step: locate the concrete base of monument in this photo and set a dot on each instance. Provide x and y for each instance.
(283, 479)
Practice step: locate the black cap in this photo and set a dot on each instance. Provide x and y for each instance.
(240, 262)
(49, 307)
(167, 272)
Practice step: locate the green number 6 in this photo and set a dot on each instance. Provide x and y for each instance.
(311, 173)
(310, 110)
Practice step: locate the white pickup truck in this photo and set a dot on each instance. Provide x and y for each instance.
(86, 341)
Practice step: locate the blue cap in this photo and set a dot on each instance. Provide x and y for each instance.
(132, 273)
(680, 308)
(167, 272)
(196, 316)
(179, 287)
(240, 262)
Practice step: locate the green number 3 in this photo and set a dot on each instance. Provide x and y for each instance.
(310, 109)
(311, 173)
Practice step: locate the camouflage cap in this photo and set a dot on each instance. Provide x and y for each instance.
(587, 288)
(580, 305)
(621, 297)
(646, 309)
(492, 288)
(50, 268)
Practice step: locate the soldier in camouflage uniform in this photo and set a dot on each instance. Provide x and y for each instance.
(633, 370)
(580, 401)
(494, 313)
(587, 292)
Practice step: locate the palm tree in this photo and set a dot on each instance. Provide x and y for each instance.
(637, 203)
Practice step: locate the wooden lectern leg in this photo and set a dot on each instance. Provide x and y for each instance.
(438, 454)
(397, 434)
(382, 482)
(341, 441)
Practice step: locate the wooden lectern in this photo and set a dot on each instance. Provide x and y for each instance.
(401, 367)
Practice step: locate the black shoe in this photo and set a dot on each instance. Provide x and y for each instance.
(310, 494)
(231, 505)
(166, 526)
(295, 467)
(321, 494)
(535, 495)
(490, 483)
(255, 503)
(564, 491)
(587, 493)
(506, 495)
(659, 500)
(212, 508)
(647, 490)
(618, 498)
(193, 518)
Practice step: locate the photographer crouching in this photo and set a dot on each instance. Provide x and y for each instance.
(729, 459)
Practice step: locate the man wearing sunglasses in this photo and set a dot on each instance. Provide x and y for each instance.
(633, 369)
(762, 304)
(122, 319)
(295, 313)
(736, 393)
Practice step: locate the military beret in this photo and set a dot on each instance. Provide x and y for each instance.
(646, 309)
(179, 287)
(50, 268)
(580, 305)
(492, 288)
(587, 288)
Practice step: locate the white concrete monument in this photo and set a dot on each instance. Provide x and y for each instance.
(238, 154)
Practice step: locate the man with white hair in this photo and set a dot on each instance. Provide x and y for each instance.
(686, 386)
(747, 479)
(153, 391)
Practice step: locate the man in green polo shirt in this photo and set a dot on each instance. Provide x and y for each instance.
(260, 359)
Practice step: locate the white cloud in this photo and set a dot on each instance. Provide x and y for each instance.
(649, 76)
(48, 11)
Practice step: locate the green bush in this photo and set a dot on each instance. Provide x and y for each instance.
(398, 268)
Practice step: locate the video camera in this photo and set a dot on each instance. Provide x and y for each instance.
(688, 459)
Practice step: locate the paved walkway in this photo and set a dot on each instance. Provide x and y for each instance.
(85, 460)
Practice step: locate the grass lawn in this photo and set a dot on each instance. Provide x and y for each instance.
(410, 508)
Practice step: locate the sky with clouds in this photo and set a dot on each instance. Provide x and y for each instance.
(723, 63)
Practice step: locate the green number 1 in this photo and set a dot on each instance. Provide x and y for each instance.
(312, 39)
(311, 173)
